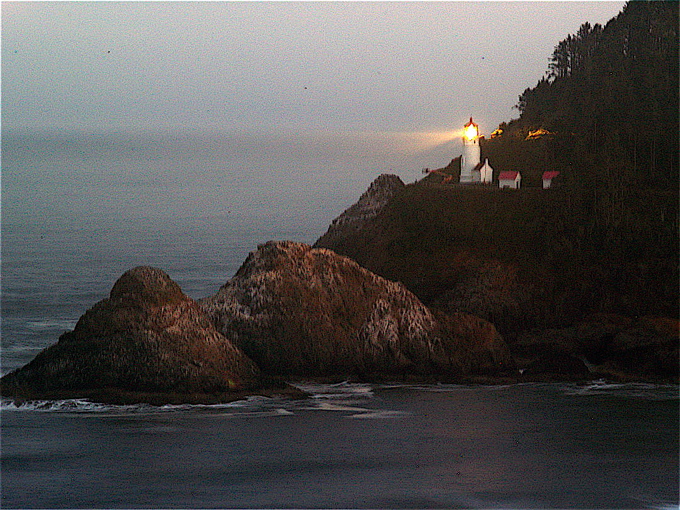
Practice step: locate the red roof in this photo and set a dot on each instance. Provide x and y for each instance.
(550, 174)
(508, 175)
(470, 124)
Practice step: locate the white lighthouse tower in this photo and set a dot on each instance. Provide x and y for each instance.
(471, 153)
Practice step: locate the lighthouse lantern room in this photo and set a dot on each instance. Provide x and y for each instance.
(471, 153)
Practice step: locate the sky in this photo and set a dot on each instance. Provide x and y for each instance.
(374, 67)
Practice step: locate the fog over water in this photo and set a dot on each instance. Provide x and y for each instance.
(287, 109)
(85, 177)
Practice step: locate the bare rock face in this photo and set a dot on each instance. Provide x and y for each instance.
(369, 205)
(147, 337)
(472, 346)
(303, 311)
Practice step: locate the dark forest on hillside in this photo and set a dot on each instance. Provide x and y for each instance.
(608, 105)
(606, 116)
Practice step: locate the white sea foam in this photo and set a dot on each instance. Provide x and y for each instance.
(67, 405)
(343, 390)
(648, 391)
(446, 388)
(342, 398)
(86, 406)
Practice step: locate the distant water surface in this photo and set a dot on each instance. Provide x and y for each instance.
(78, 211)
(298, 178)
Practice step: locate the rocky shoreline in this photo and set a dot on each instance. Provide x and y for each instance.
(294, 312)
(291, 312)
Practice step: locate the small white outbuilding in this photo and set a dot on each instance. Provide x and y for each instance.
(509, 179)
(548, 178)
(485, 172)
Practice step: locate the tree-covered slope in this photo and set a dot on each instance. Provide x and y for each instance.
(609, 102)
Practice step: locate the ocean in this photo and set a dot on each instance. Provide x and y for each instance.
(79, 209)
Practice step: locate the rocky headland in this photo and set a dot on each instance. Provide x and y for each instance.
(525, 263)
(406, 285)
(371, 202)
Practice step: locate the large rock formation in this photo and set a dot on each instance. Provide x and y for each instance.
(148, 338)
(301, 311)
(524, 262)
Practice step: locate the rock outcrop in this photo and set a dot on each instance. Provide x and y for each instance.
(472, 346)
(147, 338)
(609, 345)
(369, 205)
(302, 311)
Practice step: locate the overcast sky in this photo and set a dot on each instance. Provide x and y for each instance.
(329, 66)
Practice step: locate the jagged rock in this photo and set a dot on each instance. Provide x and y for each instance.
(369, 205)
(304, 311)
(147, 337)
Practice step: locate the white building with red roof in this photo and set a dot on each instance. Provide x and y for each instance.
(548, 178)
(482, 172)
(509, 179)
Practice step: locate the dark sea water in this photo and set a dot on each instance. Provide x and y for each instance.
(80, 210)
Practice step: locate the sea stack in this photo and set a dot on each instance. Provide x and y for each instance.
(297, 310)
(308, 312)
(147, 341)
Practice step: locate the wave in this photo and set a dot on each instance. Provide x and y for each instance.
(66, 405)
(640, 390)
(334, 398)
(249, 405)
(351, 400)
(450, 387)
(344, 390)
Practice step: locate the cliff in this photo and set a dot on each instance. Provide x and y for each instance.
(300, 311)
(147, 341)
(527, 260)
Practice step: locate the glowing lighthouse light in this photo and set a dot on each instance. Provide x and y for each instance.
(471, 131)
(471, 154)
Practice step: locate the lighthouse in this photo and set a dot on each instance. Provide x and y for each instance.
(471, 153)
